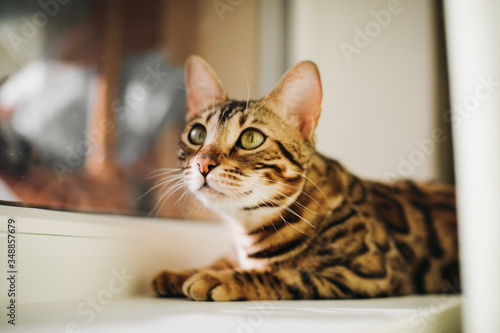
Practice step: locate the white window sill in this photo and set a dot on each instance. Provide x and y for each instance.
(410, 314)
(91, 273)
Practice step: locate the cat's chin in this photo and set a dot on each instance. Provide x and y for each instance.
(210, 193)
(212, 198)
(216, 200)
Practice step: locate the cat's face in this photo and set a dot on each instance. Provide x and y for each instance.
(248, 156)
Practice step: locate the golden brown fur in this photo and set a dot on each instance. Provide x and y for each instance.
(304, 227)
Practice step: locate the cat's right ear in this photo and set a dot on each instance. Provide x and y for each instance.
(203, 87)
(298, 96)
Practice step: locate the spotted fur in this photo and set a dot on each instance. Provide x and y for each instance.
(304, 227)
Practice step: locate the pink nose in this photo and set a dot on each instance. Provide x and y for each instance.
(205, 164)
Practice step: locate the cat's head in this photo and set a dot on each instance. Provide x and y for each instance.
(249, 155)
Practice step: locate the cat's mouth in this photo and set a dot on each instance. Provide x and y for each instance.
(209, 191)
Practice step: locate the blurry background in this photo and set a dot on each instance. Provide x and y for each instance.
(92, 95)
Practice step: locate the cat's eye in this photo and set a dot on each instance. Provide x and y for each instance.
(197, 135)
(251, 139)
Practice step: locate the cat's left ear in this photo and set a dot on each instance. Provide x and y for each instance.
(203, 87)
(299, 95)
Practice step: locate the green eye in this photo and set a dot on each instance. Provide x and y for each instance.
(197, 135)
(251, 139)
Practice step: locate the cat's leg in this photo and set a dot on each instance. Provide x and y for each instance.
(235, 285)
(169, 283)
(335, 282)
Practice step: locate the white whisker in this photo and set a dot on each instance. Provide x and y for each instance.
(269, 100)
(287, 208)
(276, 207)
(315, 185)
(161, 183)
(248, 86)
(163, 171)
(296, 188)
(169, 183)
(267, 215)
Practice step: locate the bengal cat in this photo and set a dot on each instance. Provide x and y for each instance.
(303, 226)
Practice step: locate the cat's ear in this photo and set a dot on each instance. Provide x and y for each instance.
(298, 95)
(203, 87)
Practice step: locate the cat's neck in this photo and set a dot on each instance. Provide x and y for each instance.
(254, 233)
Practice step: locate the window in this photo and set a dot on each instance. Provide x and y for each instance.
(92, 98)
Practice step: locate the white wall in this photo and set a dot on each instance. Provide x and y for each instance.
(380, 100)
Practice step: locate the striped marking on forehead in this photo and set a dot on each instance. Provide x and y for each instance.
(228, 110)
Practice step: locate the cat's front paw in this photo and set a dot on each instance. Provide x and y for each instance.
(212, 286)
(169, 284)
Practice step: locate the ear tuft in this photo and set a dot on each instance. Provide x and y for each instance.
(203, 86)
(298, 95)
